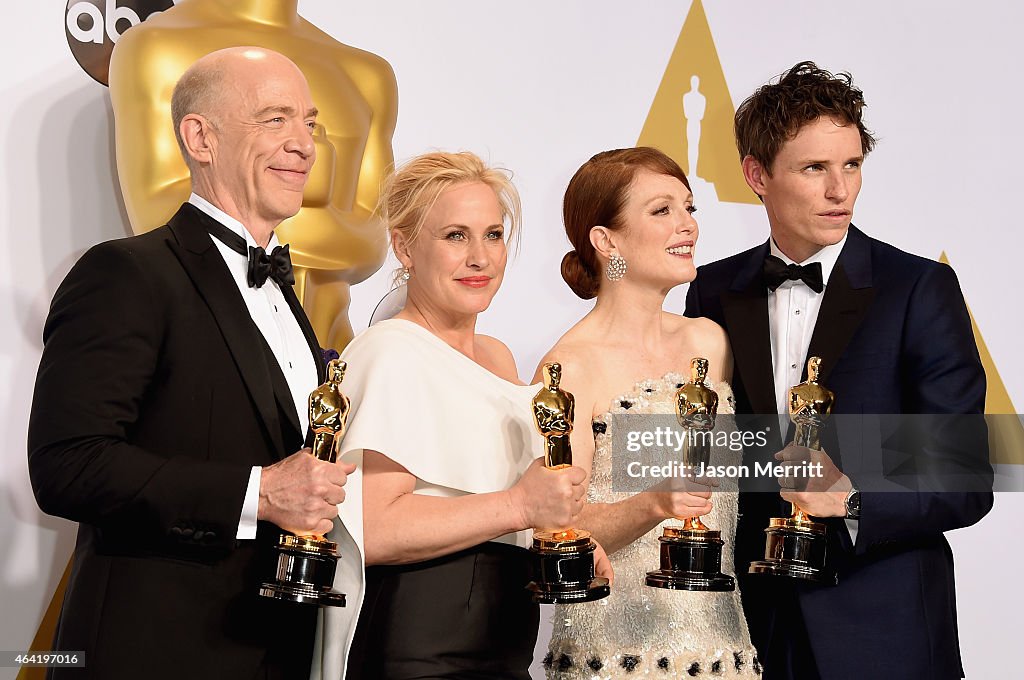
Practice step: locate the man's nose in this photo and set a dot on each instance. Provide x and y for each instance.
(836, 188)
(301, 139)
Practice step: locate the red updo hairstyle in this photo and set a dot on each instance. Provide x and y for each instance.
(596, 196)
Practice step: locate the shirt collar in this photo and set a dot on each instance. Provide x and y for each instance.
(229, 222)
(827, 256)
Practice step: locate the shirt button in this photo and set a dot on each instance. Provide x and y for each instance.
(797, 312)
(792, 365)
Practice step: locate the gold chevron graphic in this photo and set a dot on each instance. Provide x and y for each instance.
(693, 66)
(43, 641)
(1006, 435)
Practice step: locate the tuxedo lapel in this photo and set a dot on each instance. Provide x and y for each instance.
(283, 394)
(848, 297)
(307, 331)
(282, 390)
(745, 308)
(195, 250)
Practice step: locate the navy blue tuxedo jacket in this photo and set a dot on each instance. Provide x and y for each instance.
(895, 337)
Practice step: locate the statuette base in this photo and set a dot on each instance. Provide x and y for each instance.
(796, 549)
(305, 572)
(564, 569)
(691, 559)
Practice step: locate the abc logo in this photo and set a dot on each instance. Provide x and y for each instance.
(93, 26)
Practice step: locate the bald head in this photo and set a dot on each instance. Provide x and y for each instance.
(213, 83)
(244, 118)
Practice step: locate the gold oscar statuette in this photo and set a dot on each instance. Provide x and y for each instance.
(306, 564)
(691, 554)
(563, 557)
(796, 545)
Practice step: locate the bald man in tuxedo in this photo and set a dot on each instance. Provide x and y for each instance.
(170, 414)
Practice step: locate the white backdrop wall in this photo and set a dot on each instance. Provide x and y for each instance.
(538, 87)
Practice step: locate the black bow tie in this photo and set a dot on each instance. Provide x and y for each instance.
(277, 265)
(777, 272)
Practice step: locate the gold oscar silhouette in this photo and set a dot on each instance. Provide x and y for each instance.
(563, 557)
(691, 554)
(306, 564)
(335, 240)
(796, 545)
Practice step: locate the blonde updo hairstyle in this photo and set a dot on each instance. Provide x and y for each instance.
(413, 188)
(596, 196)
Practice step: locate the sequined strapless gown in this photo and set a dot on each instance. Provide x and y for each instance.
(641, 631)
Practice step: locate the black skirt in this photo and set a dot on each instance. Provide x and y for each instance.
(465, 615)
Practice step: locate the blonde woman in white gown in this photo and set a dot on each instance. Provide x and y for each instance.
(629, 216)
(449, 478)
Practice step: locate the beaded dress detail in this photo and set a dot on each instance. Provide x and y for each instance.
(639, 631)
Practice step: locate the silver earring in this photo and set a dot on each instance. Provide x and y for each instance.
(404, 276)
(616, 268)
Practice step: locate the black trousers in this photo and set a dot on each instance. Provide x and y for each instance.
(790, 656)
(465, 615)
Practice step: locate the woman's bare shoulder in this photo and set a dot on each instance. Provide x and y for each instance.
(573, 351)
(700, 329)
(707, 339)
(495, 356)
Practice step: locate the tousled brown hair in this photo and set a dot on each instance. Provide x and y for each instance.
(596, 196)
(775, 112)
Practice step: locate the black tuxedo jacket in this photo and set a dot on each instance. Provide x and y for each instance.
(156, 394)
(895, 337)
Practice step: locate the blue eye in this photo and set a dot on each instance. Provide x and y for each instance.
(495, 235)
(455, 236)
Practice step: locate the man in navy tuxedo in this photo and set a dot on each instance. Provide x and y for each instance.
(894, 336)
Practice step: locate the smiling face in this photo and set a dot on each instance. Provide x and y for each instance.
(812, 188)
(659, 233)
(457, 260)
(259, 148)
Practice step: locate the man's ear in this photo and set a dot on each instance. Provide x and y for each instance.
(603, 240)
(197, 134)
(755, 174)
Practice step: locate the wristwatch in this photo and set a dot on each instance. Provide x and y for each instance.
(853, 504)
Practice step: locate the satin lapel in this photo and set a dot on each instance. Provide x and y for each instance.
(848, 297)
(307, 331)
(282, 392)
(745, 307)
(204, 265)
(314, 345)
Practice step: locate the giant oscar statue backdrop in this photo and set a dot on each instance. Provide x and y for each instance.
(335, 239)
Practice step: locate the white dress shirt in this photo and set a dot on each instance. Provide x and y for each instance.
(792, 314)
(274, 319)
